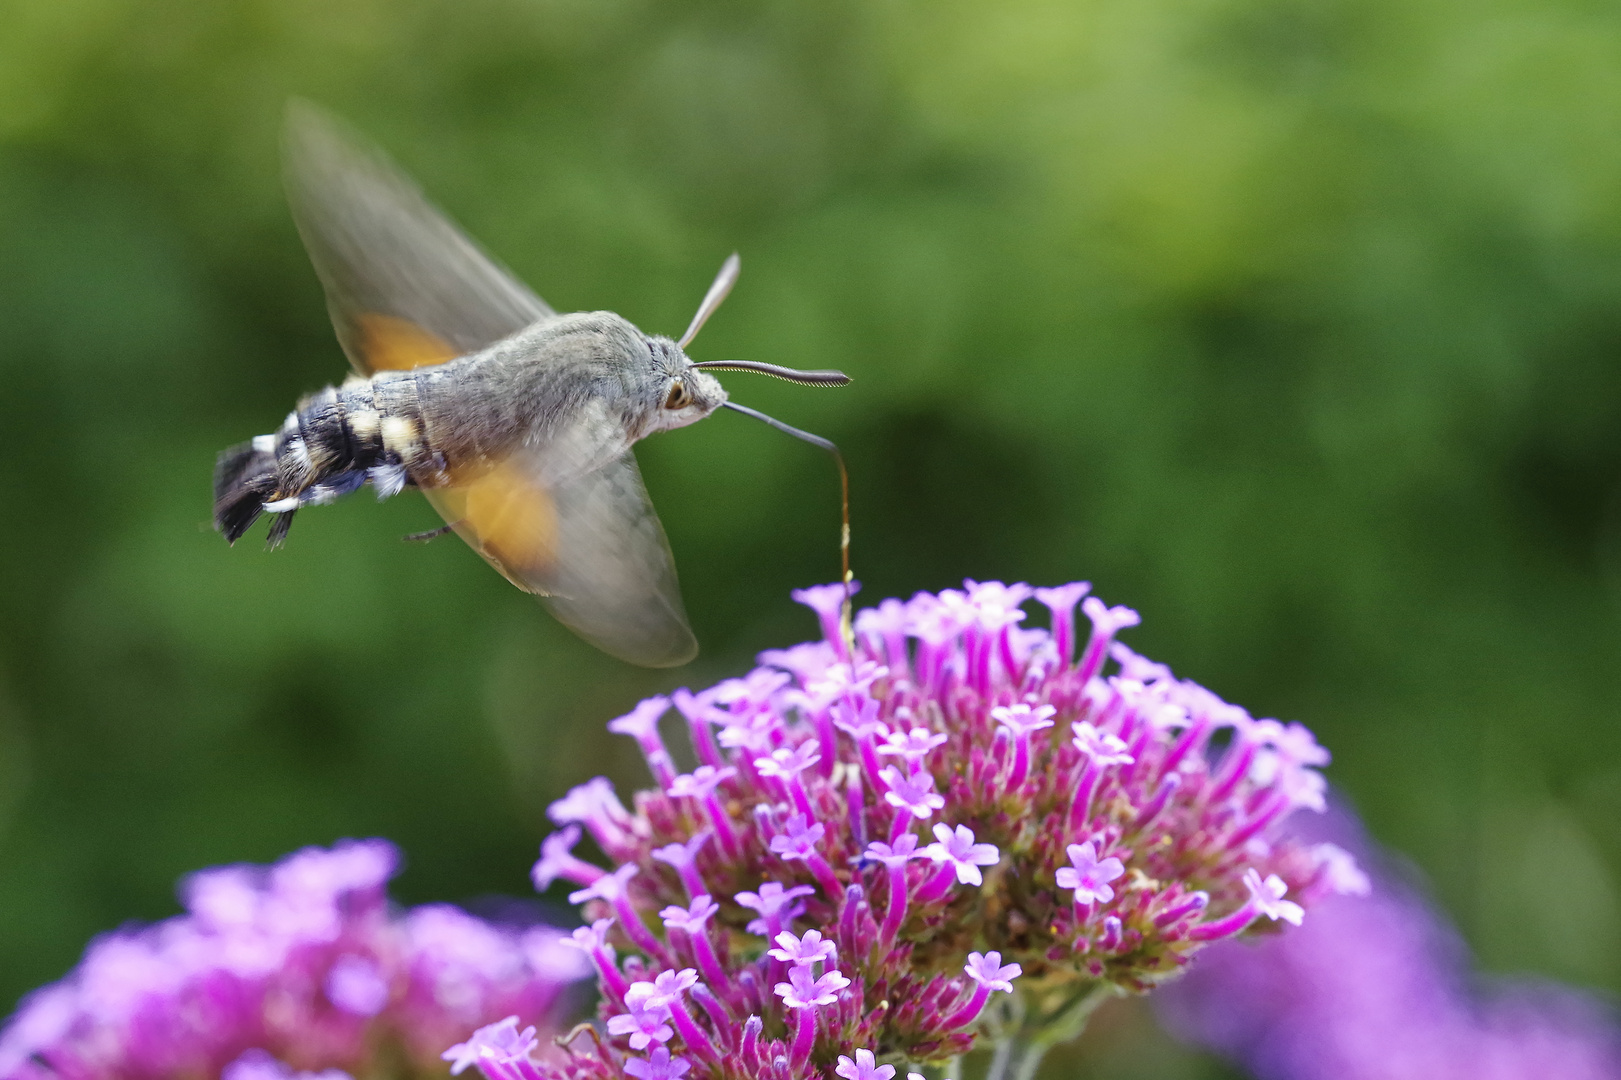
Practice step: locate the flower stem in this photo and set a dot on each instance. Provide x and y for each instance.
(1023, 1043)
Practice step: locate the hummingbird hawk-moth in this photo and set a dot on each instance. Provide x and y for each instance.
(515, 421)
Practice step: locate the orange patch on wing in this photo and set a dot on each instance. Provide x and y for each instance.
(390, 343)
(506, 516)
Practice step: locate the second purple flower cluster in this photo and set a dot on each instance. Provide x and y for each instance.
(298, 966)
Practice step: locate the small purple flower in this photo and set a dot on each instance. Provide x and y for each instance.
(956, 849)
(700, 783)
(858, 719)
(646, 1017)
(594, 805)
(1294, 742)
(1138, 668)
(642, 722)
(557, 860)
(1022, 721)
(589, 800)
(804, 990)
(755, 688)
(609, 887)
(864, 1067)
(552, 952)
(786, 764)
(997, 604)
(1089, 876)
(693, 921)
(1267, 896)
(1104, 749)
(500, 1042)
(684, 859)
(1061, 602)
(938, 620)
(751, 731)
(693, 918)
(798, 839)
(913, 745)
(775, 905)
(350, 866)
(894, 856)
(808, 661)
(1063, 596)
(225, 897)
(988, 970)
(989, 974)
(588, 938)
(1300, 786)
(896, 853)
(658, 1065)
(913, 794)
(889, 617)
(679, 855)
(258, 1065)
(356, 985)
(828, 603)
(825, 600)
(1108, 621)
(670, 985)
(845, 681)
(1190, 906)
(810, 949)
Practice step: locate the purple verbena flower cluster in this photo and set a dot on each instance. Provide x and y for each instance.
(1377, 987)
(882, 835)
(301, 965)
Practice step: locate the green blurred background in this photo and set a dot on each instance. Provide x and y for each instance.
(1295, 324)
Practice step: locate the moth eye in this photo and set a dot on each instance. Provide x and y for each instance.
(679, 397)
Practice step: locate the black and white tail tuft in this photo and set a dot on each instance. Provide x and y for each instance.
(244, 478)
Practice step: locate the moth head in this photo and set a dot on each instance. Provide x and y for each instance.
(689, 392)
(685, 394)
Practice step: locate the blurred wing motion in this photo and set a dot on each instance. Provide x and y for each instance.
(587, 541)
(615, 582)
(406, 289)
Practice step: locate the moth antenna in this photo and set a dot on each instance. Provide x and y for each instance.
(777, 371)
(845, 626)
(712, 299)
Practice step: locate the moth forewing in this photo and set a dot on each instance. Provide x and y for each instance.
(615, 581)
(381, 249)
(567, 518)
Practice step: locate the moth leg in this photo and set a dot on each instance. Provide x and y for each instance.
(431, 534)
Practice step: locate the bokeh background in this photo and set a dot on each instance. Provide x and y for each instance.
(1294, 324)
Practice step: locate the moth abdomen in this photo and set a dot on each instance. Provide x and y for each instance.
(335, 441)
